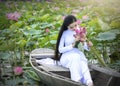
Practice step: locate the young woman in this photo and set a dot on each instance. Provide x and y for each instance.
(69, 56)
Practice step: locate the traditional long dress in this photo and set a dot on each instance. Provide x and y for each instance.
(73, 58)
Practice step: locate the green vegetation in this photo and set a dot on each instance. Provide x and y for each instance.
(36, 25)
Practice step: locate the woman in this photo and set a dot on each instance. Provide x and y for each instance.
(69, 56)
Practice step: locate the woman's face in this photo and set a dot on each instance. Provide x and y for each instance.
(73, 26)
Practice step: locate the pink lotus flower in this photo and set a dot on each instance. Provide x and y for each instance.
(78, 21)
(13, 16)
(85, 17)
(47, 30)
(81, 33)
(18, 70)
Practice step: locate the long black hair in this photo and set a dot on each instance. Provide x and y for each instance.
(67, 21)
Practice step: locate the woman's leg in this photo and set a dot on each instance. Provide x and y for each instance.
(86, 79)
(80, 72)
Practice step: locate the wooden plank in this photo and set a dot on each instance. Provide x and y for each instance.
(42, 54)
(42, 51)
(39, 56)
(54, 67)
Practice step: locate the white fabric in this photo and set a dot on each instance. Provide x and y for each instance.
(74, 59)
(48, 61)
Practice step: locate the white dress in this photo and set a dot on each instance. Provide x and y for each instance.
(73, 58)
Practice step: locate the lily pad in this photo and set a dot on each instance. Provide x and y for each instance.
(106, 36)
(116, 31)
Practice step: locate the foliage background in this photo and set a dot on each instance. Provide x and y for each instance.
(40, 21)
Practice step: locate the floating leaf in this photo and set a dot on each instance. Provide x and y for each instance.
(53, 41)
(5, 55)
(116, 31)
(106, 36)
(33, 75)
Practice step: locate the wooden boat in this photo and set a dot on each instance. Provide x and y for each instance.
(53, 75)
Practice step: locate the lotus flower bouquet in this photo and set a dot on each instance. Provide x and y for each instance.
(81, 35)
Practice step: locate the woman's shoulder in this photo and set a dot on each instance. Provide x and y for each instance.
(67, 31)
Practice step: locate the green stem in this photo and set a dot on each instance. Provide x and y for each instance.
(101, 61)
(98, 55)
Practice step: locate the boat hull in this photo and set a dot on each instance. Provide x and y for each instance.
(57, 76)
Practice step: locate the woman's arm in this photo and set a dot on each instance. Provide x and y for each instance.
(87, 45)
(62, 47)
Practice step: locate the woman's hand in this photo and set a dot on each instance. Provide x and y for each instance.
(83, 39)
(89, 43)
(73, 44)
(77, 38)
